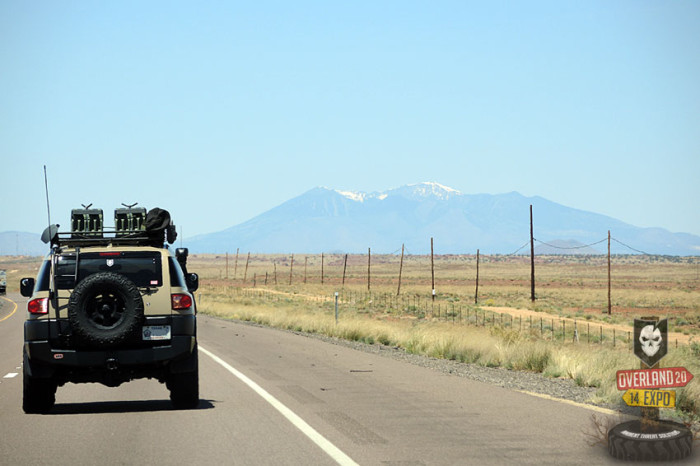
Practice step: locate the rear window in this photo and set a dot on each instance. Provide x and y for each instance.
(141, 267)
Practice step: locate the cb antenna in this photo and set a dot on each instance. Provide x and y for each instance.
(46, 187)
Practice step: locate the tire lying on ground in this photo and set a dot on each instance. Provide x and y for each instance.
(105, 310)
(664, 440)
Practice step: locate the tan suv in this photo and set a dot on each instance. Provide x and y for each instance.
(110, 307)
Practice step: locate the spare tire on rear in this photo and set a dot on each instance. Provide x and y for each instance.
(105, 310)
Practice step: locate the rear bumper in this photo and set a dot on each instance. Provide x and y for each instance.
(42, 347)
(41, 352)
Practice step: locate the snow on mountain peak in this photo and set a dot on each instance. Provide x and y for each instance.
(419, 190)
(429, 188)
(353, 195)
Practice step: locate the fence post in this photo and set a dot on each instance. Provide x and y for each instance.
(554, 338)
(235, 265)
(336, 308)
(245, 274)
(291, 267)
(398, 290)
(563, 332)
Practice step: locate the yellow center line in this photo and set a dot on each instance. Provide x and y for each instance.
(13, 310)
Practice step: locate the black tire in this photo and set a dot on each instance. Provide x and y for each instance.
(38, 394)
(665, 441)
(184, 386)
(105, 310)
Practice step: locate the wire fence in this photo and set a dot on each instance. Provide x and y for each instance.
(545, 327)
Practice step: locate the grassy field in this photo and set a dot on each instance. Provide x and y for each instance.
(503, 328)
(565, 286)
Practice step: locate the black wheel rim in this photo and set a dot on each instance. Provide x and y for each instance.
(105, 310)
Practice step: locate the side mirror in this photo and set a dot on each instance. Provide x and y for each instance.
(192, 280)
(26, 287)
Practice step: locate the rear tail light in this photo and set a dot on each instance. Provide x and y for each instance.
(38, 306)
(181, 301)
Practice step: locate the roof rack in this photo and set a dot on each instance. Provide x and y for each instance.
(133, 227)
(119, 238)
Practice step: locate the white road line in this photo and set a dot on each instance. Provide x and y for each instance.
(10, 375)
(332, 451)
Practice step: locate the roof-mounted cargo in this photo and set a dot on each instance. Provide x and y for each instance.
(133, 226)
(86, 222)
(129, 220)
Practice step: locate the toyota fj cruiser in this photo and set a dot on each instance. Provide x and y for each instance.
(110, 307)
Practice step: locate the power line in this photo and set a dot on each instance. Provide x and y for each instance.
(519, 249)
(630, 247)
(572, 247)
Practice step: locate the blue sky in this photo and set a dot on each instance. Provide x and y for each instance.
(218, 111)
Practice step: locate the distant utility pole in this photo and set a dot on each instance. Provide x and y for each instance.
(609, 285)
(345, 266)
(476, 292)
(432, 267)
(369, 258)
(398, 290)
(532, 258)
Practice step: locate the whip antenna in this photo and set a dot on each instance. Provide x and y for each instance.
(46, 187)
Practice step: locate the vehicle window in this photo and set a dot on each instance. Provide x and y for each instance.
(42, 278)
(141, 267)
(177, 277)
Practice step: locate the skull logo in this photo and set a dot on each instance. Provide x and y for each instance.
(650, 338)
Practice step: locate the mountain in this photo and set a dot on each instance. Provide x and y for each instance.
(325, 220)
(19, 243)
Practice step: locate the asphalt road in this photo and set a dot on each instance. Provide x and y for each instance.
(274, 397)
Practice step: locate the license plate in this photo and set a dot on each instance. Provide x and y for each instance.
(156, 332)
